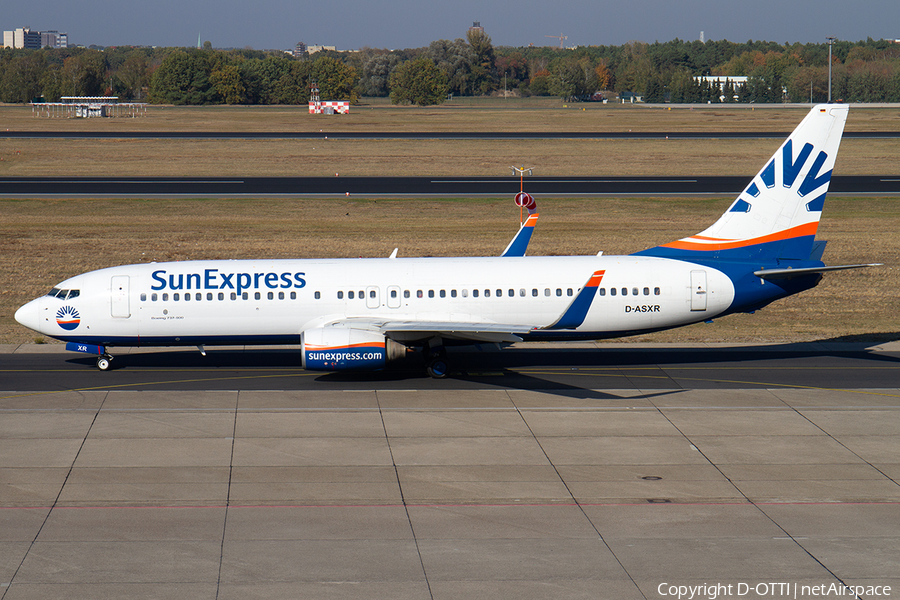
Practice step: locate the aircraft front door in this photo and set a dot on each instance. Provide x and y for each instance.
(119, 298)
(373, 299)
(698, 290)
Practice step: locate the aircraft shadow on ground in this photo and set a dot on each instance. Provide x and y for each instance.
(509, 368)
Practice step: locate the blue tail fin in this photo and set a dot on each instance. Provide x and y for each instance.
(777, 215)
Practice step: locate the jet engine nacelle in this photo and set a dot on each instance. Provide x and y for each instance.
(340, 349)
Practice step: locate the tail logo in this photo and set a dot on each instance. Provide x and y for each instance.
(790, 170)
(68, 318)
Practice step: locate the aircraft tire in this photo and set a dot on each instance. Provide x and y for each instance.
(437, 368)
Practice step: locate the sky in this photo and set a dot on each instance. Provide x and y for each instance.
(395, 24)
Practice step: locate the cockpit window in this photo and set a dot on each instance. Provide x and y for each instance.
(64, 294)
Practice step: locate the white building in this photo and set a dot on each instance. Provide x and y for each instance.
(24, 37)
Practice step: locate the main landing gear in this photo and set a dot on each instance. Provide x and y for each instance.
(436, 364)
(103, 362)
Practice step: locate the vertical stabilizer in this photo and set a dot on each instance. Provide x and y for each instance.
(777, 215)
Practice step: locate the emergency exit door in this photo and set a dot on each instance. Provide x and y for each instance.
(120, 304)
(698, 290)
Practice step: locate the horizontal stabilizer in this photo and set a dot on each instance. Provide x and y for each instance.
(791, 273)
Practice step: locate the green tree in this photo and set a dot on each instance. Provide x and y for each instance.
(183, 78)
(84, 74)
(226, 80)
(457, 59)
(132, 77)
(420, 82)
(336, 80)
(483, 80)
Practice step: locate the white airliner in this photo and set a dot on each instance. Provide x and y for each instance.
(364, 313)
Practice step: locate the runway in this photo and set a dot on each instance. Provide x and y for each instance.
(603, 471)
(143, 187)
(427, 135)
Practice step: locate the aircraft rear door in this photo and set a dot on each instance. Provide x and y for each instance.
(698, 290)
(119, 297)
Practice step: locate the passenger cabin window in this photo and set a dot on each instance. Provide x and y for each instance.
(340, 295)
(656, 291)
(431, 293)
(601, 292)
(350, 295)
(612, 291)
(474, 293)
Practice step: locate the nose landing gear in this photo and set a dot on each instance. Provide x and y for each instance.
(104, 362)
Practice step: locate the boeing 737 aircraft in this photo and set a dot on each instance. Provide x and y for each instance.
(364, 313)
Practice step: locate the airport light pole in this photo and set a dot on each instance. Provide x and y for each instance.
(830, 44)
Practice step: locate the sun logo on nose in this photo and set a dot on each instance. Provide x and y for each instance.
(68, 318)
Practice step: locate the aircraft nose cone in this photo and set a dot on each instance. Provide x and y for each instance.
(27, 315)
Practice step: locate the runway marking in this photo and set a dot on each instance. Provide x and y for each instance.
(148, 383)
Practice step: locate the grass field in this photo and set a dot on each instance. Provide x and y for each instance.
(45, 241)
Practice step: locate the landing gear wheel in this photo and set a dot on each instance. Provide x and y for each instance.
(437, 367)
(103, 362)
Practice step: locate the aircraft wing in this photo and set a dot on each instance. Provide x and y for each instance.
(457, 330)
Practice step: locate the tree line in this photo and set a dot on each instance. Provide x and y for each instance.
(865, 71)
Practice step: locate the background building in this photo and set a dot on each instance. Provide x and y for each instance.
(24, 37)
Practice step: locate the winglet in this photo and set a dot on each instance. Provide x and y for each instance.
(519, 244)
(578, 309)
